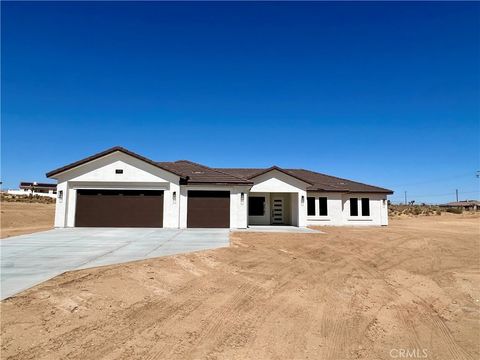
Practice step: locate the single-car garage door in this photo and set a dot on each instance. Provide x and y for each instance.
(119, 208)
(208, 209)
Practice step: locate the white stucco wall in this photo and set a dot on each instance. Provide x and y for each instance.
(261, 220)
(100, 174)
(378, 210)
(334, 209)
(338, 205)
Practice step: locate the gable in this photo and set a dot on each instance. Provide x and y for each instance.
(103, 169)
(277, 181)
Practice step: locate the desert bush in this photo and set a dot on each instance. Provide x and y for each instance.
(5, 197)
(417, 210)
(455, 210)
(414, 210)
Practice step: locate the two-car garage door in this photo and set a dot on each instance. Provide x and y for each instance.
(119, 208)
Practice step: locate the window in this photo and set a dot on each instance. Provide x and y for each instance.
(310, 206)
(256, 206)
(365, 207)
(323, 206)
(353, 207)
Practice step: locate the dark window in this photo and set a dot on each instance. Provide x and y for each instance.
(365, 207)
(256, 206)
(323, 206)
(310, 206)
(353, 207)
(118, 171)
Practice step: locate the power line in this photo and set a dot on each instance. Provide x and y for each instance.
(465, 175)
(437, 195)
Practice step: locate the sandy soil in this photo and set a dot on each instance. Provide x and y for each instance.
(19, 218)
(352, 293)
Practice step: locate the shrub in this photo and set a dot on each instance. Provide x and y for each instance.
(455, 210)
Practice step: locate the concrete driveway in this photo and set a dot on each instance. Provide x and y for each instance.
(30, 259)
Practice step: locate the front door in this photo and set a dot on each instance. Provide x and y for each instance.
(277, 211)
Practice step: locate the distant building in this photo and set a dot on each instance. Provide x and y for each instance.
(34, 188)
(471, 205)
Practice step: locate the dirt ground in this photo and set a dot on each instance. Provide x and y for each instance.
(351, 293)
(19, 218)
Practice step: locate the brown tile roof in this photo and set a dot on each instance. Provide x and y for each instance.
(318, 181)
(323, 182)
(195, 173)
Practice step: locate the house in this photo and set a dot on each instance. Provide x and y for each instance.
(118, 188)
(35, 188)
(469, 205)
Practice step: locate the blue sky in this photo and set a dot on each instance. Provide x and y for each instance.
(383, 93)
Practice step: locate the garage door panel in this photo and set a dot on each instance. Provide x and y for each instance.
(113, 208)
(208, 209)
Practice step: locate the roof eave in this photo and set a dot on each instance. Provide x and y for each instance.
(349, 191)
(189, 182)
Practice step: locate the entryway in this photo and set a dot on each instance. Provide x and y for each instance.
(273, 209)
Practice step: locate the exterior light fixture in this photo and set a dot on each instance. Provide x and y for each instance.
(60, 196)
(174, 197)
(303, 200)
(242, 198)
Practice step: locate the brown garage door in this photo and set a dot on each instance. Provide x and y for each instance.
(119, 208)
(208, 209)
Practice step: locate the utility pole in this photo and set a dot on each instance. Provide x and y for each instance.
(456, 193)
(405, 198)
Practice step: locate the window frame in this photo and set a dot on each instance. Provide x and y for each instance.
(250, 198)
(320, 206)
(309, 198)
(352, 201)
(365, 207)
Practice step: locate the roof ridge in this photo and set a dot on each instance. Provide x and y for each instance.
(212, 169)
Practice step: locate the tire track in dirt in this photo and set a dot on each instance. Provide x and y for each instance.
(454, 349)
(456, 352)
(234, 308)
